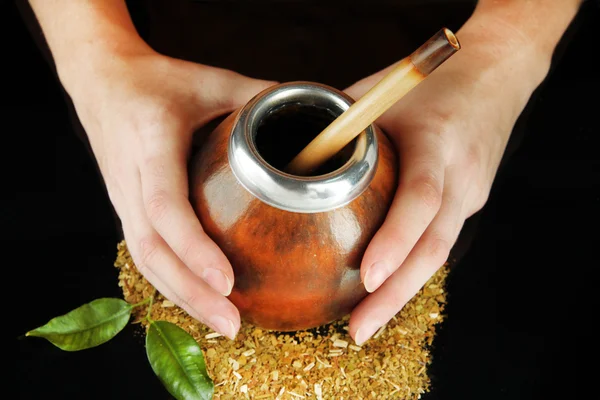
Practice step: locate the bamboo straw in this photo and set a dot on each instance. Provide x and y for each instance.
(400, 80)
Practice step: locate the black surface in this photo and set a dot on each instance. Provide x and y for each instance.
(520, 301)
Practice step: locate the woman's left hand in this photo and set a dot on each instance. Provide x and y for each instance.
(450, 133)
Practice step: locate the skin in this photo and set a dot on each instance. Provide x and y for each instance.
(140, 130)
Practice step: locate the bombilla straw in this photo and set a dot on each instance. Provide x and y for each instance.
(403, 77)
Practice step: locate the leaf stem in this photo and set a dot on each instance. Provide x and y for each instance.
(145, 301)
(150, 306)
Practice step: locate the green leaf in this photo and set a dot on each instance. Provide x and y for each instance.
(87, 326)
(177, 360)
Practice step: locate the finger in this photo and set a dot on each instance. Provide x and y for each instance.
(164, 181)
(416, 202)
(430, 253)
(165, 271)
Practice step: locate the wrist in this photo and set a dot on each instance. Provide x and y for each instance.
(491, 45)
(87, 59)
(495, 72)
(84, 35)
(521, 33)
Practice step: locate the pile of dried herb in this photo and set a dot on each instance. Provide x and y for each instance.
(316, 364)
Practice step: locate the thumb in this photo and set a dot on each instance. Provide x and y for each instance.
(221, 91)
(358, 89)
(243, 89)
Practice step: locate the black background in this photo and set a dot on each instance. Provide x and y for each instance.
(520, 309)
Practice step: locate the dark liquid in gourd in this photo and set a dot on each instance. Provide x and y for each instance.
(287, 130)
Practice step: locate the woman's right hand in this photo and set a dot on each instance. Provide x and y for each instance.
(139, 110)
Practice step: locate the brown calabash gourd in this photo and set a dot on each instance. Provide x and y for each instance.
(293, 270)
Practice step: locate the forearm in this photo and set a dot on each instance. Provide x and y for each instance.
(80, 32)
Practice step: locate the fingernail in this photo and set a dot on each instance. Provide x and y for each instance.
(223, 325)
(217, 280)
(366, 331)
(376, 275)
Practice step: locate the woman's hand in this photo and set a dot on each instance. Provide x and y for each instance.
(450, 133)
(139, 111)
